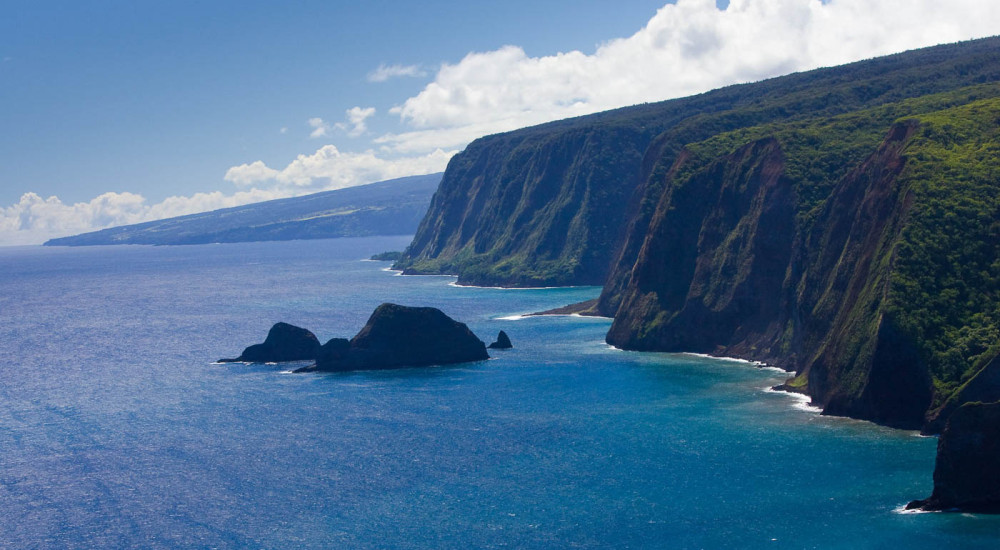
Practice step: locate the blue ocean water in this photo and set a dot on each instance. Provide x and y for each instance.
(117, 429)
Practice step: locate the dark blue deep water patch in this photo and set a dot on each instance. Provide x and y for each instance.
(118, 430)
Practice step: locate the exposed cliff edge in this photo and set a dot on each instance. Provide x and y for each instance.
(400, 336)
(966, 476)
(842, 223)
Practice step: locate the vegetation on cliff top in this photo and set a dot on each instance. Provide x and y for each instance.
(928, 287)
(945, 288)
(567, 202)
(843, 223)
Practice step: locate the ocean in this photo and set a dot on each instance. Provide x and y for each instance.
(118, 428)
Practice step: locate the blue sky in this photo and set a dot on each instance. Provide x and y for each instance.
(163, 97)
(118, 112)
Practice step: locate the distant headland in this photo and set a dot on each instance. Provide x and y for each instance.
(392, 207)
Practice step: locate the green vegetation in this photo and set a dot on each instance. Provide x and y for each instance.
(915, 272)
(387, 256)
(945, 290)
(843, 223)
(568, 202)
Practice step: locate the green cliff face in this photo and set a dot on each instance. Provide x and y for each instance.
(842, 223)
(532, 209)
(874, 276)
(569, 202)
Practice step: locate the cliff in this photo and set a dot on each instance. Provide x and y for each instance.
(531, 208)
(966, 477)
(568, 203)
(842, 223)
(875, 281)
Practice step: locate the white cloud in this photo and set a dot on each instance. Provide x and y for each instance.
(329, 168)
(686, 48)
(203, 202)
(385, 72)
(356, 117)
(283, 130)
(457, 137)
(33, 220)
(248, 174)
(320, 128)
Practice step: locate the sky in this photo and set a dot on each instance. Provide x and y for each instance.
(118, 112)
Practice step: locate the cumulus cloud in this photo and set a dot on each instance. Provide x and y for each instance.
(330, 168)
(248, 174)
(33, 220)
(385, 72)
(356, 117)
(320, 128)
(686, 48)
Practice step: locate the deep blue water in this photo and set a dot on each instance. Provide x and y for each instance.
(118, 430)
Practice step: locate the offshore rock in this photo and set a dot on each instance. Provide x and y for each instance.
(966, 474)
(284, 342)
(401, 336)
(503, 342)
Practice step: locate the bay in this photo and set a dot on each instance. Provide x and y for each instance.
(118, 429)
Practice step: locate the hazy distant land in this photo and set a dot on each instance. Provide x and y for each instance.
(392, 207)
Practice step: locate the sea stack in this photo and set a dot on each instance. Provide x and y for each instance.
(284, 342)
(401, 336)
(966, 474)
(503, 342)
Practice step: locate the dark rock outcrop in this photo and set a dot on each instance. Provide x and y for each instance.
(400, 336)
(390, 256)
(284, 342)
(967, 472)
(581, 308)
(503, 342)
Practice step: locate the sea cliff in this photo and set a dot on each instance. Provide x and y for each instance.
(840, 223)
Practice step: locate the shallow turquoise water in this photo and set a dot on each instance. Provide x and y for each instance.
(117, 429)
